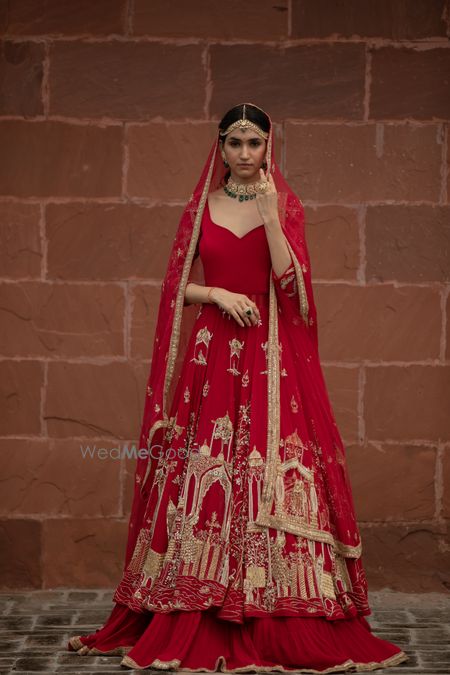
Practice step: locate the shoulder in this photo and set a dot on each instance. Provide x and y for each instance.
(216, 196)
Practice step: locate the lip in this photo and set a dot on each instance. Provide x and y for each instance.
(248, 165)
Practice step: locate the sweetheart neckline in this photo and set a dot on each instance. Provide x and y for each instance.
(222, 227)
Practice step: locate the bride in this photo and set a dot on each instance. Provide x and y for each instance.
(243, 549)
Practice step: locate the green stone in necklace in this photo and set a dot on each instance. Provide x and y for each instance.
(241, 197)
(242, 191)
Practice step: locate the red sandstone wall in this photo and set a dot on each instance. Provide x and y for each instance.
(107, 111)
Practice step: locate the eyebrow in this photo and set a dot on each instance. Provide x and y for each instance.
(252, 138)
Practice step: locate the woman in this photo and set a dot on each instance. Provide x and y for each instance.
(243, 549)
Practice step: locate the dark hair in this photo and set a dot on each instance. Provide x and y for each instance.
(252, 113)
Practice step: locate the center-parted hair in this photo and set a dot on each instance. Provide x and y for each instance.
(252, 113)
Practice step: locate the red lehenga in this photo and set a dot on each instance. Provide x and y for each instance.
(244, 552)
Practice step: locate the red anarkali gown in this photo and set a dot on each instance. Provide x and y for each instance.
(207, 588)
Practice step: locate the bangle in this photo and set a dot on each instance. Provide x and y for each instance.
(207, 295)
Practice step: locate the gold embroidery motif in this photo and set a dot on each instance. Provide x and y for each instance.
(203, 337)
(283, 372)
(223, 430)
(245, 379)
(294, 404)
(285, 280)
(152, 565)
(255, 576)
(296, 500)
(235, 351)
(140, 551)
(214, 537)
(326, 585)
(173, 429)
(203, 552)
(264, 347)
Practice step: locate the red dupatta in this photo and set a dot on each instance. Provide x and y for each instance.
(174, 323)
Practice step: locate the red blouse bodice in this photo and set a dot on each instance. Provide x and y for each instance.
(223, 253)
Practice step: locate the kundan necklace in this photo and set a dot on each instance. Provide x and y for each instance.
(244, 191)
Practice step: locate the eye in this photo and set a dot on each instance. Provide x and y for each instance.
(255, 143)
(234, 143)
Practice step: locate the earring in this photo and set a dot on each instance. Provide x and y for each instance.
(264, 165)
(225, 163)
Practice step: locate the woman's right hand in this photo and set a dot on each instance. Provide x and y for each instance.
(236, 304)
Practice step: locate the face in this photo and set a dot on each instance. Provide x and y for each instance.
(245, 152)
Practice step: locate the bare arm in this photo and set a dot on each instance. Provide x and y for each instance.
(196, 293)
(279, 252)
(267, 204)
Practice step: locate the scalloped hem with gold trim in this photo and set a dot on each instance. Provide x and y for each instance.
(203, 642)
(221, 666)
(75, 645)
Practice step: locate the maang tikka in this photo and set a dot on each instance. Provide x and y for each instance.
(245, 123)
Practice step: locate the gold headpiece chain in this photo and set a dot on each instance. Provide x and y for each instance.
(245, 123)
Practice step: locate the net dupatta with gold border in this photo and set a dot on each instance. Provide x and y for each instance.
(173, 327)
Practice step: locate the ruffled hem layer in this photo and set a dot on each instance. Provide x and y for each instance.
(198, 641)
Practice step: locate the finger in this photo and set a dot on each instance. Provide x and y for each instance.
(255, 309)
(249, 318)
(256, 314)
(245, 317)
(253, 316)
(241, 312)
(237, 317)
(252, 306)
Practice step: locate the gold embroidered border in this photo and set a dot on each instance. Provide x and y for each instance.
(269, 151)
(75, 642)
(273, 397)
(118, 651)
(264, 517)
(303, 298)
(287, 524)
(175, 335)
(76, 645)
(221, 666)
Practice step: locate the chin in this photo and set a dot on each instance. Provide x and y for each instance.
(253, 176)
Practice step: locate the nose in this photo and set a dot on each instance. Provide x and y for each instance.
(244, 152)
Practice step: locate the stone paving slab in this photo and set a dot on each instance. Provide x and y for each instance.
(36, 625)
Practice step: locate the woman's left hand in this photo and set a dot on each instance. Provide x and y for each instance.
(267, 202)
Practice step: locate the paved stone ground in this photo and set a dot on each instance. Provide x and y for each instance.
(36, 625)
